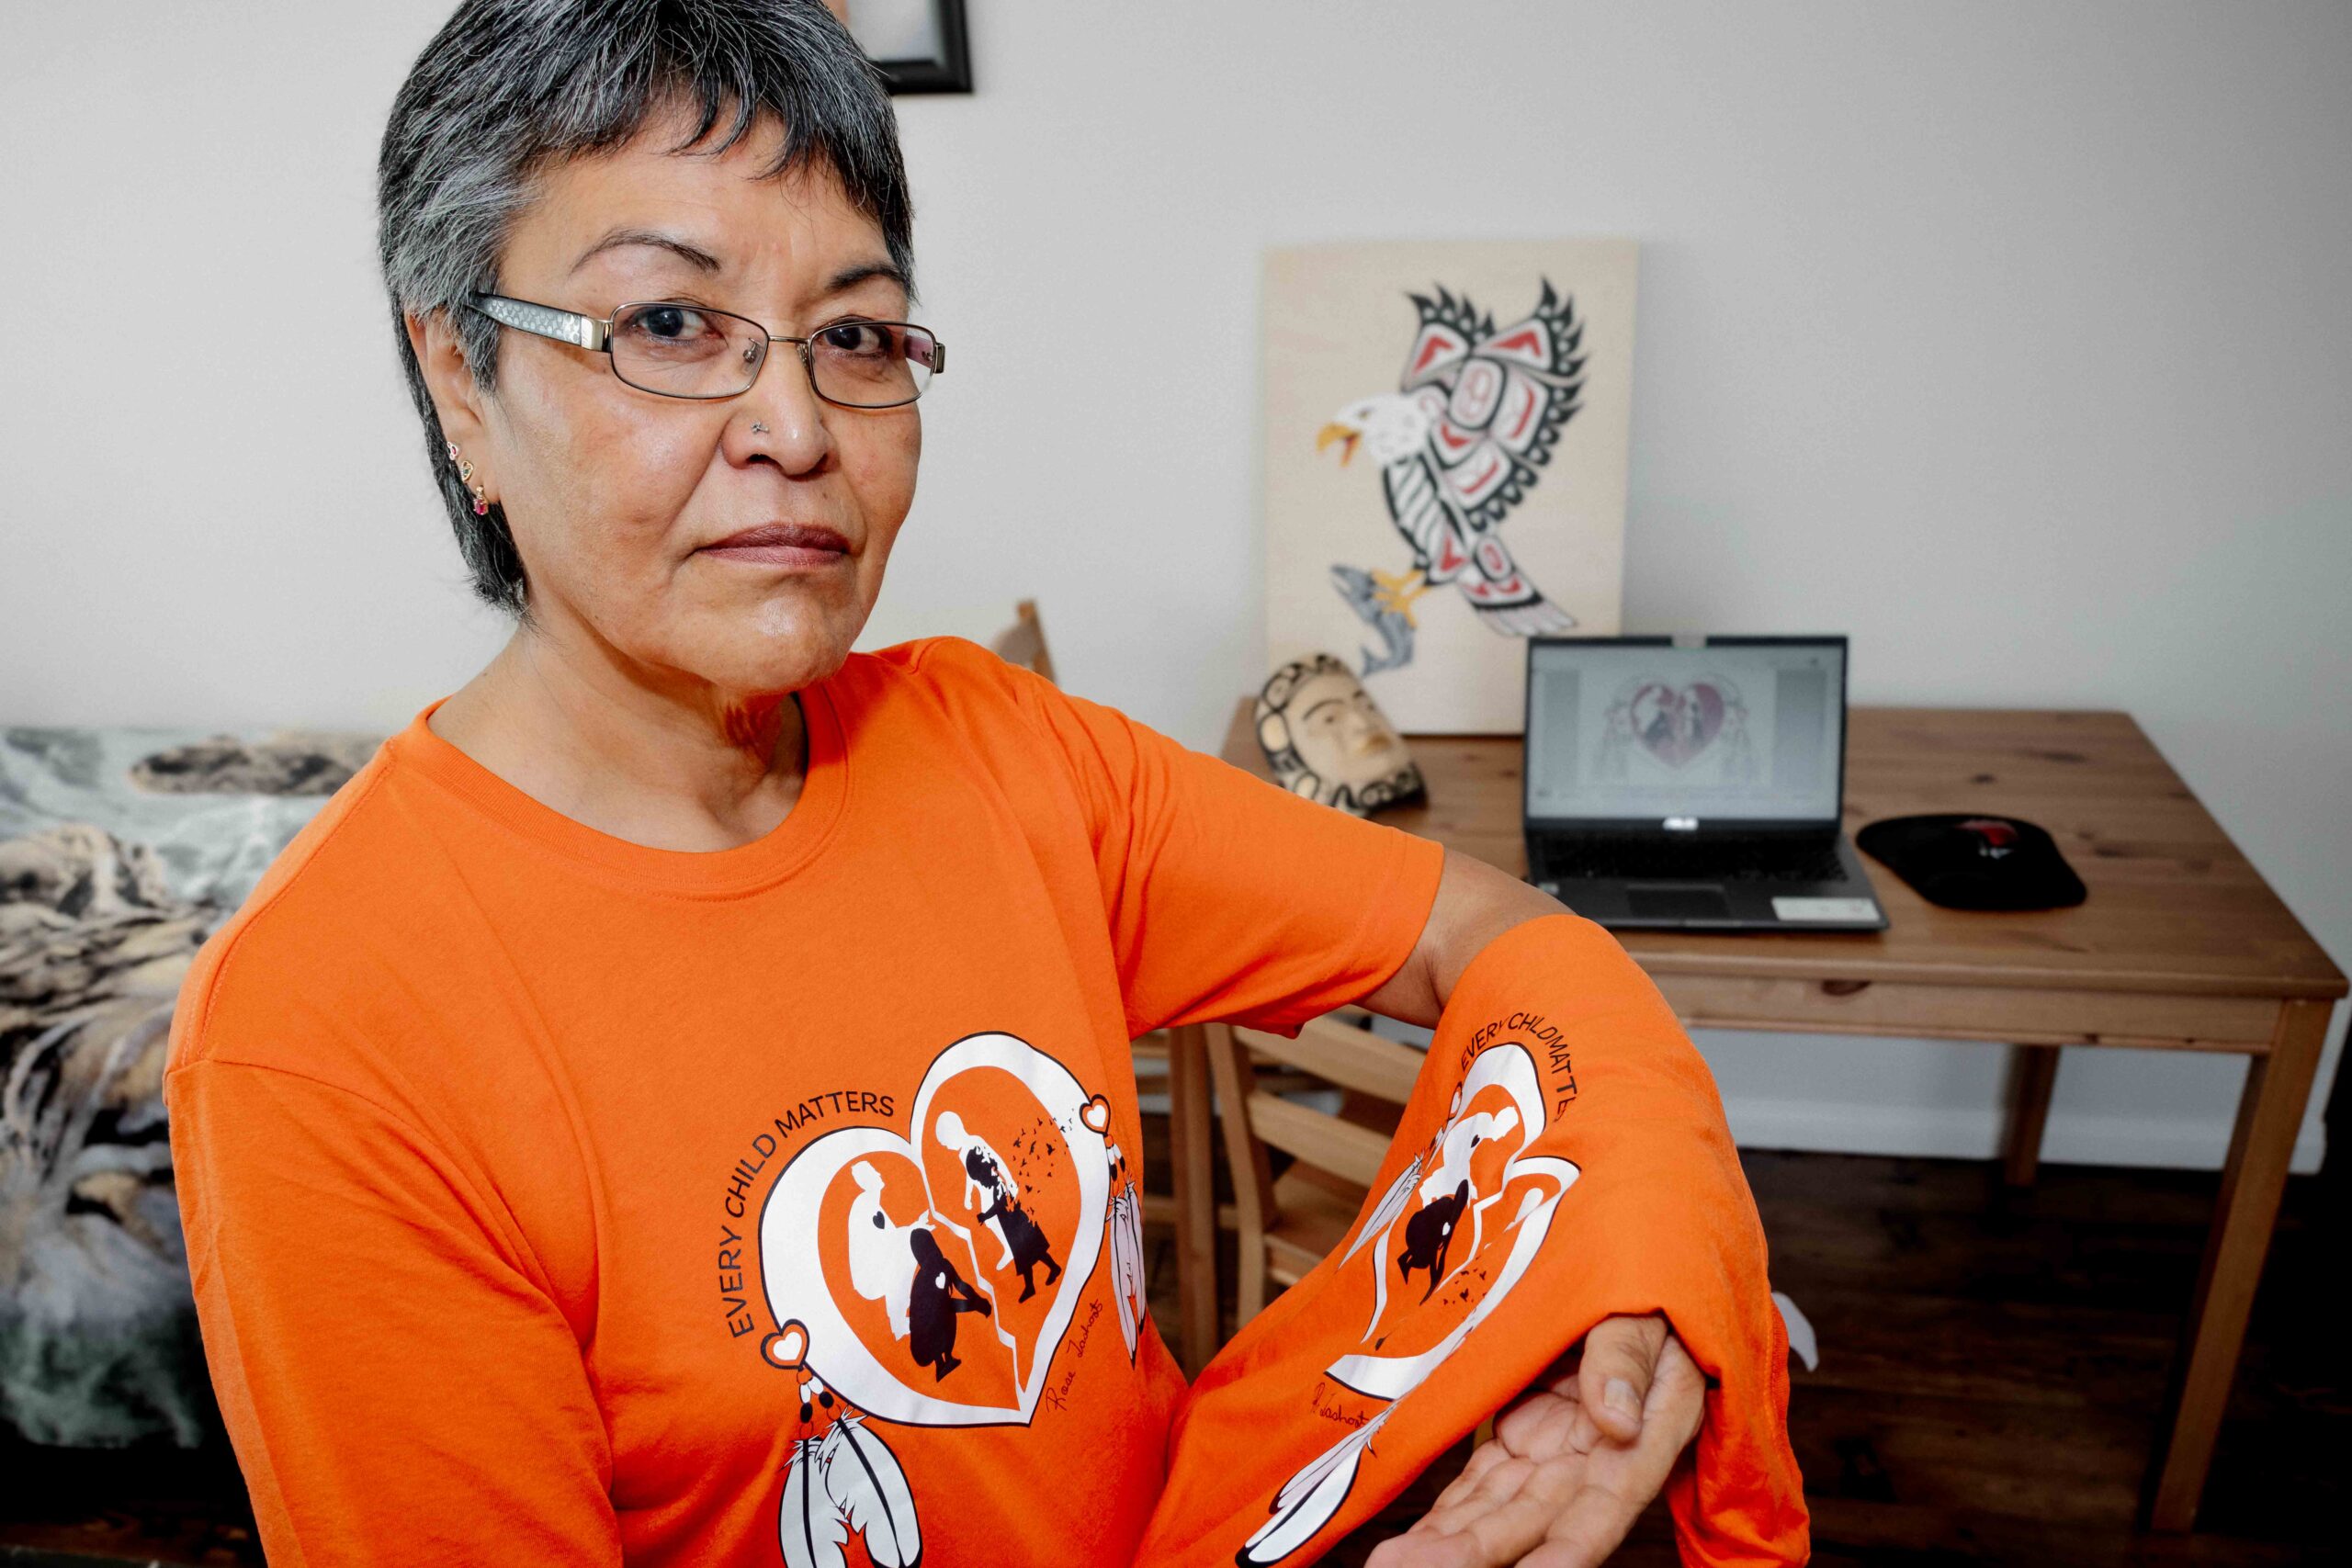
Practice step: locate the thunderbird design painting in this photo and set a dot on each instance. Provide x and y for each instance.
(1488, 506)
(1458, 444)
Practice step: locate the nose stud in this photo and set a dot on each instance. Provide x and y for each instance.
(758, 429)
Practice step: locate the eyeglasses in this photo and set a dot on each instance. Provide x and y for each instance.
(692, 351)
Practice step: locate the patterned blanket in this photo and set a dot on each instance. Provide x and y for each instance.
(120, 851)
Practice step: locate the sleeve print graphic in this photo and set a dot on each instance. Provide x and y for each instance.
(1556, 1065)
(1428, 1235)
(1471, 1226)
(929, 1279)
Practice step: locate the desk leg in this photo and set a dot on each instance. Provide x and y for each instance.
(2033, 1072)
(2270, 1113)
(1187, 1135)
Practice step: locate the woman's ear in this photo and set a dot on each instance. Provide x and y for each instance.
(456, 401)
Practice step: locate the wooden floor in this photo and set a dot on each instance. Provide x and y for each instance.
(1991, 1373)
(1993, 1367)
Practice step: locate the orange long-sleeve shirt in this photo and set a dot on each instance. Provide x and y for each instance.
(555, 1198)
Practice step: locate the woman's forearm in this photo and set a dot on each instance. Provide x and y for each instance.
(1475, 903)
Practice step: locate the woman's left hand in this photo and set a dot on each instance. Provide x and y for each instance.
(1572, 1463)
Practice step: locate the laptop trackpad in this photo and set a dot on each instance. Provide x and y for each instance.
(1677, 904)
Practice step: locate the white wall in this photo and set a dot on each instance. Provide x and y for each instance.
(2012, 340)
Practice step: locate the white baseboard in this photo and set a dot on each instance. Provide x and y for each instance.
(1954, 1132)
(1967, 1124)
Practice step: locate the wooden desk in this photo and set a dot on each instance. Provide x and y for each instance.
(2181, 946)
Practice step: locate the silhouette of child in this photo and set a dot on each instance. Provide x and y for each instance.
(1427, 1235)
(1024, 1243)
(939, 1294)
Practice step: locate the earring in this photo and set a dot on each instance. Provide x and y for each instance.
(465, 476)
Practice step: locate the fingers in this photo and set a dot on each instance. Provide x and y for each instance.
(1678, 1396)
(1564, 1512)
(1555, 1488)
(1490, 1521)
(1592, 1527)
(1545, 1426)
(1623, 1482)
(1620, 1360)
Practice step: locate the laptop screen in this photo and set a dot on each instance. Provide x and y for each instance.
(1647, 731)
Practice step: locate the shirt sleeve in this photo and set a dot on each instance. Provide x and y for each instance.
(1227, 897)
(1564, 1157)
(398, 1386)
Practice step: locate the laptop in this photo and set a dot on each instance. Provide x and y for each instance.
(1693, 782)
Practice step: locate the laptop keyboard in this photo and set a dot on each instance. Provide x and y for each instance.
(1696, 860)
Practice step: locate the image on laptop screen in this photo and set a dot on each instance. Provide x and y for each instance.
(1651, 731)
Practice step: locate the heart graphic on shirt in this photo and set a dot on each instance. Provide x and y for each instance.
(930, 1277)
(1443, 1246)
(1454, 1230)
(1676, 724)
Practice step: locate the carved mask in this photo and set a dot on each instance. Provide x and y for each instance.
(1327, 739)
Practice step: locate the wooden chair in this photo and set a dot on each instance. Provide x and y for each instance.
(1287, 1223)
(1023, 642)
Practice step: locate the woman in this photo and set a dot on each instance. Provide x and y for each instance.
(558, 1125)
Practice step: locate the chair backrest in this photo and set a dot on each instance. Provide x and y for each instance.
(1376, 1077)
(1023, 642)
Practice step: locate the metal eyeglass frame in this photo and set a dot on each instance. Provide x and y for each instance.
(595, 335)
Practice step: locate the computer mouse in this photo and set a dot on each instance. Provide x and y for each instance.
(1975, 861)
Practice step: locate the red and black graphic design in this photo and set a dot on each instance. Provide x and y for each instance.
(1477, 412)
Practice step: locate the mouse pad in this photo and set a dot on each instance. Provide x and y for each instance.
(1965, 861)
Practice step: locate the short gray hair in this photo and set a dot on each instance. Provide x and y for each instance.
(508, 87)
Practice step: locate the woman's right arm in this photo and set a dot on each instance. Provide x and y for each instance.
(399, 1385)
